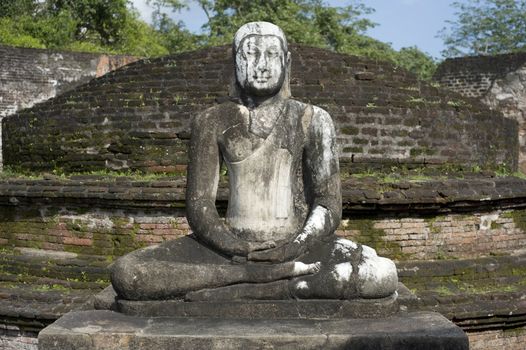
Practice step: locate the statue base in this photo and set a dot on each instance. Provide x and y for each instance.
(273, 324)
(109, 330)
(253, 309)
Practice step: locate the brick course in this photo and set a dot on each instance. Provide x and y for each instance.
(473, 76)
(498, 339)
(29, 76)
(138, 117)
(498, 81)
(408, 221)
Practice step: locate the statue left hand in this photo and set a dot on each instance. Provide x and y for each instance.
(285, 252)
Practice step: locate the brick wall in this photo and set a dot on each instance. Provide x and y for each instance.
(116, 232)
(498, 81)
(449, 236)
(414, 223)
(138, 117)
(105, 232)
(30, 76)
(11, 338)
(443, 219)
(473, 76)
(511, 339)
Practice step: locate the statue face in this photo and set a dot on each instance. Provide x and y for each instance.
(261, 65)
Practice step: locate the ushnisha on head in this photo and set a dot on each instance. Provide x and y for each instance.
(261, 58)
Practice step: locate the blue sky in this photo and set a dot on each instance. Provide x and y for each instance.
(400, 22)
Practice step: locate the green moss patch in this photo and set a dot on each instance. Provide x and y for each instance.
(373, 237)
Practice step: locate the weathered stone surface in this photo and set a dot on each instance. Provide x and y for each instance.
(497, 80)
(276, 240)
(358, 193)
(106, 330)
(281, 309)
(263, 309)
(479, 294)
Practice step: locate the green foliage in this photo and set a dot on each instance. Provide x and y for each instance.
(314, 23)
(304, 21)
(416, 61)
(99, 21)
(173, 36)
(85, 25)
(112, 27)
(486, 27)
(12, 8)
(138, 38)
(12, 33)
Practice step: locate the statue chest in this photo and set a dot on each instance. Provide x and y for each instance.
(263, 131)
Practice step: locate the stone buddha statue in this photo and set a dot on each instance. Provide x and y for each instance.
(277, 238)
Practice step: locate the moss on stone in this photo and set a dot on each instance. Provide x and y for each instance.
(430, 221)
(471, 281)
(514, 332)
(374, 237)
(495, 225)
(349, 130)
(518, 217)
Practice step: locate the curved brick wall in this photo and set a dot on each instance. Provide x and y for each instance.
(137, 117)
(498, 81)
(474, 75)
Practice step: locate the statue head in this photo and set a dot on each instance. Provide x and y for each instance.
(261, 58)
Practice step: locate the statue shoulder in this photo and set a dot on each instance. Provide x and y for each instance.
(316, 111)
(312, 116)
(216, 114)
(321, 121)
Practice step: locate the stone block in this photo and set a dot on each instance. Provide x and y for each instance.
(108, 330)
(256, 309)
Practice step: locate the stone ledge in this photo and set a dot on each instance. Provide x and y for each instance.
(258, 309)
(359, 194)
(110, 330)
(477, 294)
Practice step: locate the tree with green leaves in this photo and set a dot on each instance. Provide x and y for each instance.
(114, 27)
(309, 22)
(486, 27)
(78, 25)
(174, 36)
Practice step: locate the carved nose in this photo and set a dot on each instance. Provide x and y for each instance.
(262, 64)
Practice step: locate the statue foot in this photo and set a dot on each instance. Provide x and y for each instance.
(305, 269)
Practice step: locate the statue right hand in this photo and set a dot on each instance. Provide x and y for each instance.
(240, 247)
(256, 246)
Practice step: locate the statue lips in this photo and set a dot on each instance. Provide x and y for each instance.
(262, 79)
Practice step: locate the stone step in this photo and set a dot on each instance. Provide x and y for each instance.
(107, 330)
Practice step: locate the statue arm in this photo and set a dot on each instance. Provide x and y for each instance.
(202, 183)
(322, 179)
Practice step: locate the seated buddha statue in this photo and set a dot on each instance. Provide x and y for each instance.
(277, 239)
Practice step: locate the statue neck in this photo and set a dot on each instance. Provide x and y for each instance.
(252, 101)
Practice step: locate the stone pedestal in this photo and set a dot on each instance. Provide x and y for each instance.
(109, 330)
